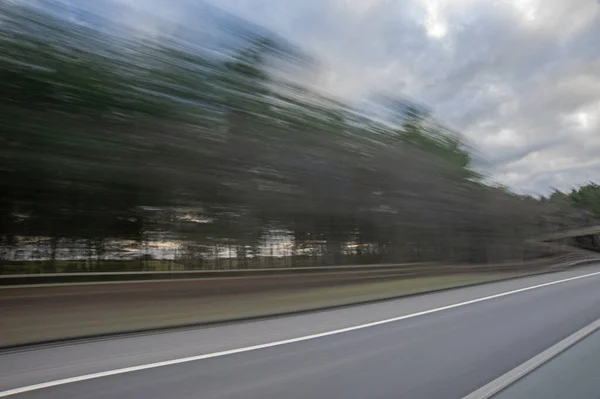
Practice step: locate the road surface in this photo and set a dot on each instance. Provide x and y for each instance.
(572, 374)
(440, 345)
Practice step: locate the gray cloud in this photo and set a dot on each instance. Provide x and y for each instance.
(519, 78)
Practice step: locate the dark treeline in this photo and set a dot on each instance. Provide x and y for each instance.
(585, 197)
(113, 145)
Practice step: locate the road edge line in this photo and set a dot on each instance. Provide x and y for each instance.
(70, 380)
(507, 379)
(75, 340)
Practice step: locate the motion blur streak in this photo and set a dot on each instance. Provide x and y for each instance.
(155, 136)
(277, 343)
(208, 147)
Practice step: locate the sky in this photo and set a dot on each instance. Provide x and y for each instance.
(520, 79)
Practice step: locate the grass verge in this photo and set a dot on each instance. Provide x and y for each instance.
(50, 319)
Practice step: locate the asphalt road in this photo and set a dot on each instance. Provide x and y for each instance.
(573, 374)
(436, 346)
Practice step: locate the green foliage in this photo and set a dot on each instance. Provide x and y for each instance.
(107, 141)
(588, 197)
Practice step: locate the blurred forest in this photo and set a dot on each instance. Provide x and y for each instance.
(160, 156)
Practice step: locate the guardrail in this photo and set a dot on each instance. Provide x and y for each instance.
(348, 272)
(51, 312)
(139, 276)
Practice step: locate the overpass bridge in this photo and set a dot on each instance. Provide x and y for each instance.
(587, 238)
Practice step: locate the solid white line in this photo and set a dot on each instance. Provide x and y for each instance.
(108, 373)
(509, 378)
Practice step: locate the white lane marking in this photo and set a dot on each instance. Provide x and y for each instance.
(514, 375)
(124, 370)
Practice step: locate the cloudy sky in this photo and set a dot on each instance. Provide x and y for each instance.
(519, 78)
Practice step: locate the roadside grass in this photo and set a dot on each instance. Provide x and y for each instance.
(54, 318)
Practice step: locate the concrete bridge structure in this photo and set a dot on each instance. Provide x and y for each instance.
(587, 238)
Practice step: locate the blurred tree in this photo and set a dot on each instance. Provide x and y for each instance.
(110, 144)
(588, 197)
